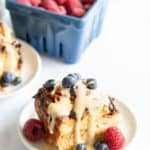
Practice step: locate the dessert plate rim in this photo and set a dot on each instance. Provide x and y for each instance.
(25, 113)
(37, 60)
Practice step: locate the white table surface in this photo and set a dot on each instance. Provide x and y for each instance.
(119, 59)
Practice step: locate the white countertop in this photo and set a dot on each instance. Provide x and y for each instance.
(119, 59)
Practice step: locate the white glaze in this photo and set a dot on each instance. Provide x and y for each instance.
(93, 103)
(11, 59)
(59, 108)
(92, 100)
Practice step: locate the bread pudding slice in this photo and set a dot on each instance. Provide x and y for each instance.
(75, 115)
(10, 56)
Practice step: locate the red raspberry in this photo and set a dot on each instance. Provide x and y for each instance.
(71, 4)
(77, 12)
(60, 2)
(62, 10)
(35, 2)
(50, 5)
(114, 138)
(33, 130)
(88, 1)
(25, 2)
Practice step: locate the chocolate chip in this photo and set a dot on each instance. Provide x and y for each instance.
(72, 115)
(3, 48)
(112, 107)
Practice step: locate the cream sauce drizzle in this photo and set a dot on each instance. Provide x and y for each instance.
(60, 108)
(11, 59)
(93, 104)
(92, 101)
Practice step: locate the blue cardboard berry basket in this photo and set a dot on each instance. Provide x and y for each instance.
(57, 35)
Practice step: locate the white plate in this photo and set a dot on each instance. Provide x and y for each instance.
(30, 71)
(127, 125)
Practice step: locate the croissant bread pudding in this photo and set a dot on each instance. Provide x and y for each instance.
(75, 115)
(10, 59)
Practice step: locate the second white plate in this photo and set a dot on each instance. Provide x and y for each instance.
(30, 71)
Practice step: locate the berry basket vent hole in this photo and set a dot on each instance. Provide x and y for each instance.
(60, 49)
(28, 38)
(45, 45)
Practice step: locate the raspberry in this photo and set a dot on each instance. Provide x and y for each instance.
(25, 2)
(71, 4)
(114, 138)
(33, 130)
(77, 12)
(88, 1)
(35, 2)
(62, 10)
(60, 2)
(50, 5)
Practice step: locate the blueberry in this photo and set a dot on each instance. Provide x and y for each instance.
(76, 75)
(68, 81)
(8, 77)
(81, 147)
(50, 84)
(16, 81)
(100, 146)
(91, 83)
(4, 83)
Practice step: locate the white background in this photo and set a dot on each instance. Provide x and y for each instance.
(119, 59)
